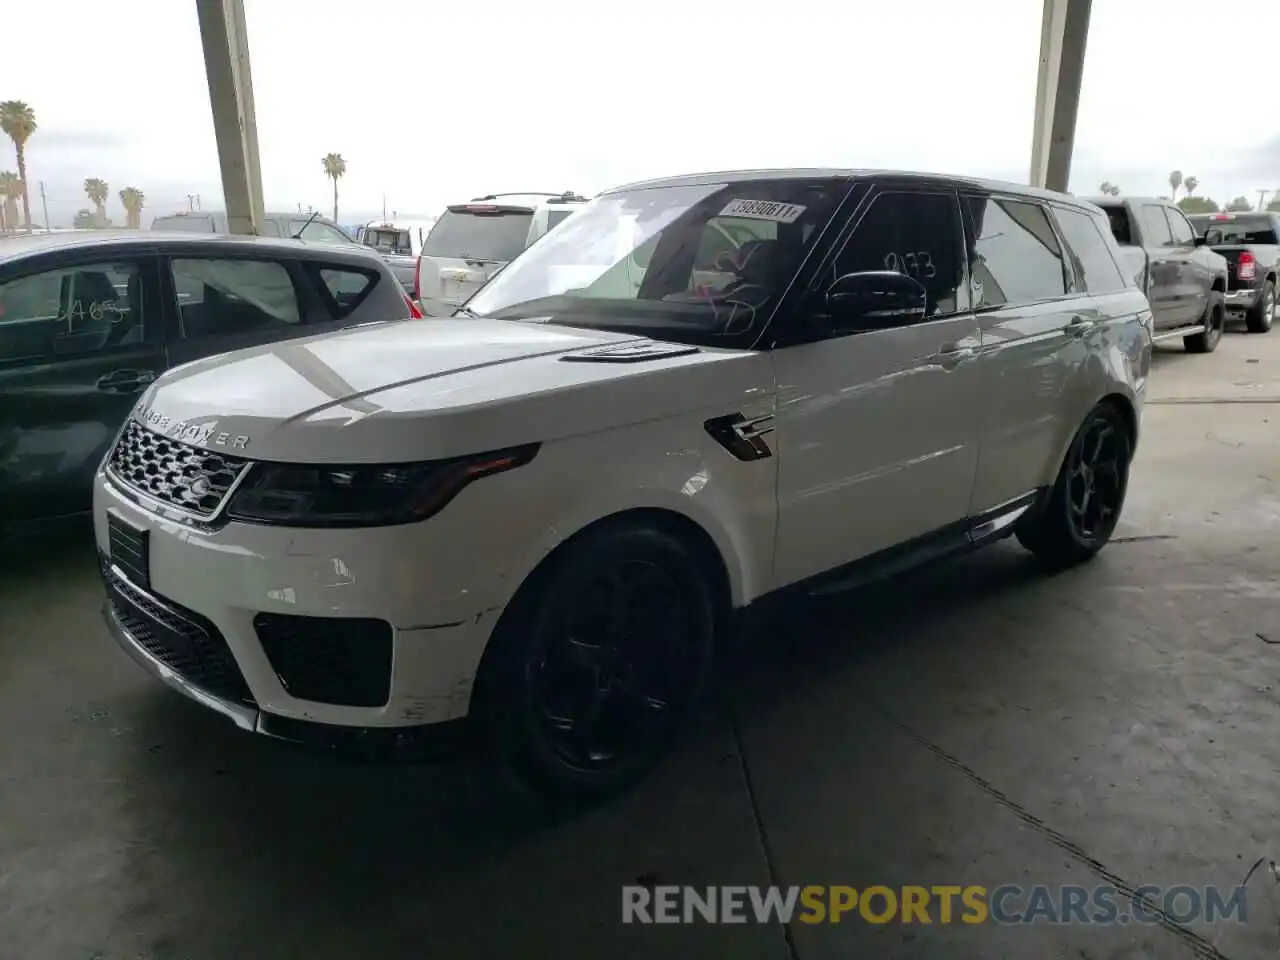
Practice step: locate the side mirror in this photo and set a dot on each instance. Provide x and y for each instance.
(1200, 241)
(875, 300)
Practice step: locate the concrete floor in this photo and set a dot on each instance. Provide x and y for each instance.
(978, 724)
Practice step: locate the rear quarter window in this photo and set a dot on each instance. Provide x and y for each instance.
(343, 287)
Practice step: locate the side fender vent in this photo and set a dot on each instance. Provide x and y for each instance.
(743, 438)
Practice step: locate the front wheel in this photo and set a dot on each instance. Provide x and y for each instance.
(1087, 496)
(1262, 314)
(1215, 319)
(597, 665)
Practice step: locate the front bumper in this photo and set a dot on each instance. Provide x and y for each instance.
(198, 625)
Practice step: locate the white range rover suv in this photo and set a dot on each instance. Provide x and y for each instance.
(539, 512)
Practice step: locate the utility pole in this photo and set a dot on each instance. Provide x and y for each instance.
(191, 203)
(384, 206)
(1262, 199)
(44, 204)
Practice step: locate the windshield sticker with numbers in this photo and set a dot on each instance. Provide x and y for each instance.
(763, 210)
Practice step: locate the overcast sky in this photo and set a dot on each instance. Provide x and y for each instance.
(432, 102)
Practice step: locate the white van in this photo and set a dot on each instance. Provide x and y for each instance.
(472, 241)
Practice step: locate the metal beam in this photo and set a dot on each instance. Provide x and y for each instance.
(226, 64)
(1063, 32)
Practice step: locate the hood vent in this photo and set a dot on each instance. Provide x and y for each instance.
(632, 353)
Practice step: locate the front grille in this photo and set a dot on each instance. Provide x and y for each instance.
(344, 661)
(174, 472)
(182, 640)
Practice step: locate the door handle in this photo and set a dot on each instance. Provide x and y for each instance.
(125, 381)
(1078, 327)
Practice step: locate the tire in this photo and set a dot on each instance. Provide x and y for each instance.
(539, 692)
(1057, 534)
(1261, 314)
(1215, 319)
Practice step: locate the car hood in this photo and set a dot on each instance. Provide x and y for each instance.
(422, 389)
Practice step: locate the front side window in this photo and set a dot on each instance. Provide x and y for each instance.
(479, 232)
(222, 297)
(915, 234)
(642, 260)
(1155, 226)
(71, 312)
(1015, 255)
(1183, 234)
(1094, 262)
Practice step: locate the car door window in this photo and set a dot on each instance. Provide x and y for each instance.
(1155, 227)
(911, 233)
(1016, 256)
(1180, 227)
(218, 297)
(1094, 263)
(71, 312)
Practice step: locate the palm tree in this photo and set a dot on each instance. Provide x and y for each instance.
(10, 190)
(334, 168)
(1190, 185)
(133, 200)
(96, 190)
(18, 121)
(1175, 181)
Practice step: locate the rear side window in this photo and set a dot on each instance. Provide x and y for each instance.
(481, 233)
(555, 216)
(347, 286)
(1155, 227)
(1093, 257)
(218, 297)
(1016, 256)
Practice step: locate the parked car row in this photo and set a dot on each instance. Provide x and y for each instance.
(534, 512)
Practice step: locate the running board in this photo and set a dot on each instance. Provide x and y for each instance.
(995, 524)
(1179, 333)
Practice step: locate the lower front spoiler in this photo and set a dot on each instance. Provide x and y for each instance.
(387, 743)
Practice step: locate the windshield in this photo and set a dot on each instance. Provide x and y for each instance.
(1237, 230)
(388, 241)
(479, 232)
(702, 264)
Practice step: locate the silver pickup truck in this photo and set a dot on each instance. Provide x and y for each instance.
(1185, 282)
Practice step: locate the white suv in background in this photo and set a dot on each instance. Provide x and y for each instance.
(694, 393)
(472, 241)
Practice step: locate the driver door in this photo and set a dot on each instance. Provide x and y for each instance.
(878, 430)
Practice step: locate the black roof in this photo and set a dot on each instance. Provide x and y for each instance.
(835, 173)
(20, 245)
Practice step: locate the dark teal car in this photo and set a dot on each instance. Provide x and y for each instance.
(88, 319)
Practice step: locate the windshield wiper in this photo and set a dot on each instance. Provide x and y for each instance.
(466, 312)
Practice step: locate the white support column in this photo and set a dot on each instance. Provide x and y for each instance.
(226, 63)
(1063, 32)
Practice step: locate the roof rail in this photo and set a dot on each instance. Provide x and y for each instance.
(563, 195)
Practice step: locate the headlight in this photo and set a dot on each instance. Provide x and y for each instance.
(363, 495)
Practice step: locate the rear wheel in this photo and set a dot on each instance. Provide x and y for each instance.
(1085, 502)
(1260, 315)
(596, 667)
(1215, 318)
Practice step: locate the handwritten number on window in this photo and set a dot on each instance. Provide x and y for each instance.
(915, 263)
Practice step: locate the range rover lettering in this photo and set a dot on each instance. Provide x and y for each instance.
(536, 514)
